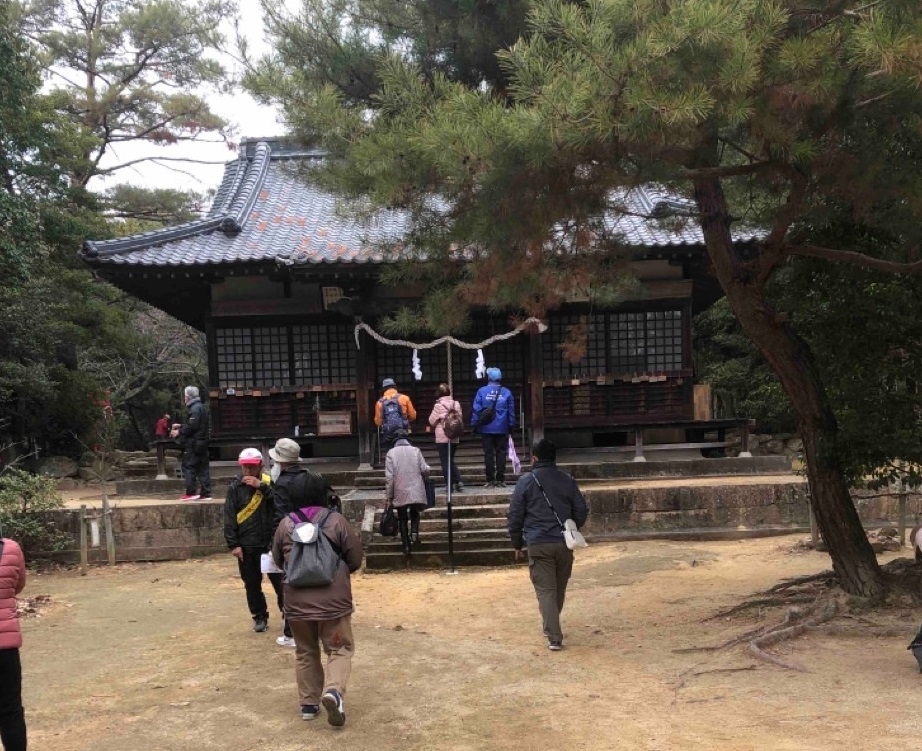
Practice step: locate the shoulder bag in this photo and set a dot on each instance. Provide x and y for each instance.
(571, 535)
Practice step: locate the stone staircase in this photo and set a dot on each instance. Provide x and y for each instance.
(479, 536)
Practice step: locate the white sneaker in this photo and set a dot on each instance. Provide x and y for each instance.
(285, 641)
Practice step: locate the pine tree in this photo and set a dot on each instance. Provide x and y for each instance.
(799, 116)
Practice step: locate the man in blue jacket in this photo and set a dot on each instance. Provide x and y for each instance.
(493, 416)
(542, 501)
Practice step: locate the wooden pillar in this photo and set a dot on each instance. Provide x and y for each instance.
(745, 453)
(362, 412)
(161, 460)
(536, 386)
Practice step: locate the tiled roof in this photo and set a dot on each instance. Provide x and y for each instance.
(263, 212)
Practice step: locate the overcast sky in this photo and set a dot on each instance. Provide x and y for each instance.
(241, 110)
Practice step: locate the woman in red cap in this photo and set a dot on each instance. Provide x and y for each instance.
(248, 528)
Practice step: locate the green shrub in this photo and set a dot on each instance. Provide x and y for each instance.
(26, 501)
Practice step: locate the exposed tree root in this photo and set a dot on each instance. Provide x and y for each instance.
(762, 602)
(801, 621)
(824, 576)
(811, 603)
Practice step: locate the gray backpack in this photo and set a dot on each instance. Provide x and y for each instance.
(314, 559)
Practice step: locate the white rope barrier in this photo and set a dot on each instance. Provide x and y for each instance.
(447, 338)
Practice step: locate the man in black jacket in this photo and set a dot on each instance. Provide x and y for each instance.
(248, 531)
(535, 519)
(193, 437)
(289, 480)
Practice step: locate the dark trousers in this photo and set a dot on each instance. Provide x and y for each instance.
(12, 716)
(387, 443)
(253, 583)
(195, 464)
(495, 449)
(446, 449)
(549, 567)
(408, 524)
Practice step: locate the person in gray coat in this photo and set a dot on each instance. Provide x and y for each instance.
(405, 473)
(533, 521)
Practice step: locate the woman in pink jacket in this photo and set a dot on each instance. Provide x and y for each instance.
(446, 446)
(12, 580)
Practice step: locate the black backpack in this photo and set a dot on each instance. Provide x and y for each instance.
(488, 413)
(392, 417)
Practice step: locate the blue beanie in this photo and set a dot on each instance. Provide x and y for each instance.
(494, 374)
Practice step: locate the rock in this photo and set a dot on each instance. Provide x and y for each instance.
(97, 473)
(140, 463)
(877, 546)
(57, 466)
(891, 544)
(888, 532)
(795, 444)
(67, 483)
(772, 446)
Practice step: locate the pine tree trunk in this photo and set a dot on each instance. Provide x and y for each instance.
(853, 559)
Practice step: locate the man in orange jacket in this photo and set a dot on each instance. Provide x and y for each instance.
(393, 411)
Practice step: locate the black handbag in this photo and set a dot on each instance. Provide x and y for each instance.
(430, 492)
(387, 527)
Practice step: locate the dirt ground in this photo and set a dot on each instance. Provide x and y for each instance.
(161, 656)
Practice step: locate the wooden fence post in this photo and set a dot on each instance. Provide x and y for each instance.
(107, 521)
(84, 553)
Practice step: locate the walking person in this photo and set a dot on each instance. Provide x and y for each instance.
(448, 421)
(393, 412)
(321, 616)
(540, 498)
(286, 468)
(405, 475)
(12, 581)
(493, 416)
(248, 528)
(163, 427)
(193, 437)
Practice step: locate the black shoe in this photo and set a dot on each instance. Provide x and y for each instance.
(459, 488)
(489, 484)
(260, 624)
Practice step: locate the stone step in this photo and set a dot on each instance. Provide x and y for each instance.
(473, 511)
(472, 478)
(439, 545)
(467, 558)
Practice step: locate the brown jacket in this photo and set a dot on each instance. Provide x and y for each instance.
(320, 603)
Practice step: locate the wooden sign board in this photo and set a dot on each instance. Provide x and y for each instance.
(334, 423)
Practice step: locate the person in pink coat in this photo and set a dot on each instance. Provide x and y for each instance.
(447, 447)
(12, 580)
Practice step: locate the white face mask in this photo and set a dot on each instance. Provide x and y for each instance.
(275, 472)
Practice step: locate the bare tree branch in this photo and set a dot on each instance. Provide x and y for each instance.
(855, 258)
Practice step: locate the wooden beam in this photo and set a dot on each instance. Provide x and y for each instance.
(362, 410)
(536, 386)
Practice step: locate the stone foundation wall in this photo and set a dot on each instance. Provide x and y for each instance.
(177, 531)
(708, 510)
